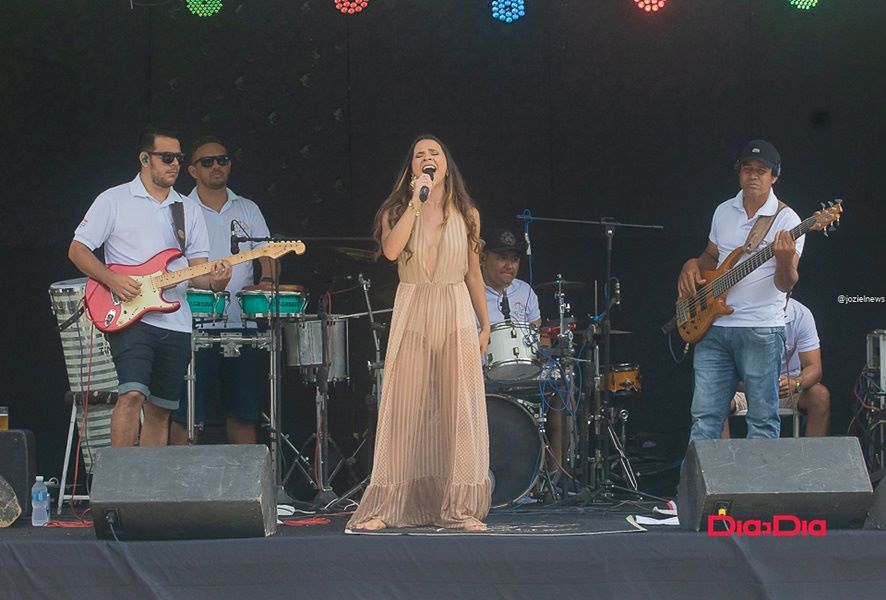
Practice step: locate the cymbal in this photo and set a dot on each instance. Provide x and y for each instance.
(598, 332)
(565, 284)
(357, 254)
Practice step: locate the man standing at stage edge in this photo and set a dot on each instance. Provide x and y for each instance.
(237, 378)
(134, 221)
(746, 345)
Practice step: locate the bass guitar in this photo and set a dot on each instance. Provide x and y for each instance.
(696, 314)
(110, 313)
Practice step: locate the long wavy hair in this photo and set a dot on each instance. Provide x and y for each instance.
(454, 194)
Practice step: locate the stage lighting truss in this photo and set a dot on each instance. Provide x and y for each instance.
(204, 8)
(349, 7)
(508, 11)
(650, 5)
(804, 4)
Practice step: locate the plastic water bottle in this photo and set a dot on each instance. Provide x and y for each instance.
(39, 503)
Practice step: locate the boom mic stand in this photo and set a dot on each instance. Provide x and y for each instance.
(599, 475)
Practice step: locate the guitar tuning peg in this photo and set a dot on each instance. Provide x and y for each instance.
(822, 205)
(825, 232)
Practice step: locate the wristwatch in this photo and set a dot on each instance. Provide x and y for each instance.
(798, 389)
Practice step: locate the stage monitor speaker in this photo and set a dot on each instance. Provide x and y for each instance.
(18, 464)
(877, 513)
(183, 492)
(757, 479)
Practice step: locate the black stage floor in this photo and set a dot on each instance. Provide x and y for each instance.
(529, 553)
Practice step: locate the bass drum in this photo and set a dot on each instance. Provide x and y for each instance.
(515, 449)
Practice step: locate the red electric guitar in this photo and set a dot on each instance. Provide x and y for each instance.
(110, 313)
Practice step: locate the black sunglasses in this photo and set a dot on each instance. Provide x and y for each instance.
(206, 161)
(168, 157)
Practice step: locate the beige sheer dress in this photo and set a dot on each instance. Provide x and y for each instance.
(431, 463)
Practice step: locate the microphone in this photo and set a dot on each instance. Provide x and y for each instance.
(235, 242)
(425, 191)
(505, 306)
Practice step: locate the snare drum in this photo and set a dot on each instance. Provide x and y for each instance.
(304, 346)
(208, 305)
(86, 350)
(260, 304)
(511, 352)
(515, 449)
(624, 379)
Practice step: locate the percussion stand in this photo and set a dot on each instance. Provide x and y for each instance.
(325, 495)
(275, 386)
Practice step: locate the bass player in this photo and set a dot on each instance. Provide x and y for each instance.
(747, 344)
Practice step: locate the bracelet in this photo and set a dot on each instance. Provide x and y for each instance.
(413, 206)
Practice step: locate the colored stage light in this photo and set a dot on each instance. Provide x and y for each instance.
(508, 11)
(204, 8)
(804, 4)
(349, 7)
(650, 5)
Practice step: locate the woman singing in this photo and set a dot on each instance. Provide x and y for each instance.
(431, 463)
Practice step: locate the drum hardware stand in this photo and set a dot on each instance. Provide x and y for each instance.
(595, 471)
(373, 399)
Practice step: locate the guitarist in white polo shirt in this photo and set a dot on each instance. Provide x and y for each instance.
(746, 345)
(133, 222)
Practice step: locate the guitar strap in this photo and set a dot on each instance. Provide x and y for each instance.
(761, 227)
(178, 223)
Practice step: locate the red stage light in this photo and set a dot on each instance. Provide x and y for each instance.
(350, 7)
(650, 5)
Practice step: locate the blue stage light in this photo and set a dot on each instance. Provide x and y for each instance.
(508, 11)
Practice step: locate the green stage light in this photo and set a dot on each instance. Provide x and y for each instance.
(804, 4)
(204, 8)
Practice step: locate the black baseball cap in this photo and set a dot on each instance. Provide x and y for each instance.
(503, 240)
(764, 152)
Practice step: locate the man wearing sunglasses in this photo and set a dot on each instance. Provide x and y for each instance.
(234, 380)
(133, 222)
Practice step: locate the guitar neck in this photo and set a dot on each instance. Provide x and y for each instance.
(743, 269)
(167, 280)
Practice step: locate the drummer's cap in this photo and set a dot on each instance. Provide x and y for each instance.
(503, 240)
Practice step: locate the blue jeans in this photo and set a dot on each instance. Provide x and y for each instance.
(725, 356)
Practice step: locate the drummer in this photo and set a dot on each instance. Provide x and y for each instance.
(236, 379)
(508, 297)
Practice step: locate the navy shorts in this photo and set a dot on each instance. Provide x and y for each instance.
(152, 361)
(234, 380)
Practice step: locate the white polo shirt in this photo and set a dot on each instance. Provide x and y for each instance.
(800, 335)
(218, 224)
(522, 301)
(756, 300)
(133, 227)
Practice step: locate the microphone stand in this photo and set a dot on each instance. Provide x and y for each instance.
(275, 382)
(602, 403)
